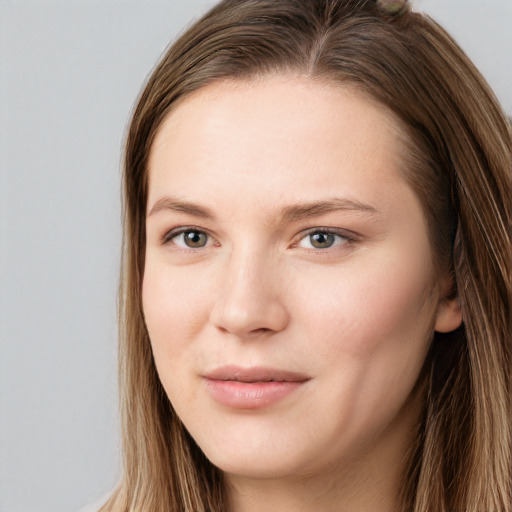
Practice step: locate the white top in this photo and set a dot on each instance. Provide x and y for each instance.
(94, 506)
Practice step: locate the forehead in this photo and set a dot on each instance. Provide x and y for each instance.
(260, 138)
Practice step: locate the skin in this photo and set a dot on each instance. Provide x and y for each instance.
(355, 314)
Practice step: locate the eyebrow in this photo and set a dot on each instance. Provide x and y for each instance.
(169, 203)
(292, 213)
(303, 211)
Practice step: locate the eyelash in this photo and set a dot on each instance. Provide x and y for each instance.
(347, 237)
(175, 232)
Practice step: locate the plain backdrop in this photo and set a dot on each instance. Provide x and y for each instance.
(70, 71)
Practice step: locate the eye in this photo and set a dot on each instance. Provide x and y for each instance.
(322, 239)
(188, 238)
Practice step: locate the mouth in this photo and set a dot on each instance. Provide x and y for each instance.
(252, 388)
(255, 375)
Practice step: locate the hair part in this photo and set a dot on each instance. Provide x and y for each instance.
(457, 160)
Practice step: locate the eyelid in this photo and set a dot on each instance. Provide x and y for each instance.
(348, 236)
(178, 230)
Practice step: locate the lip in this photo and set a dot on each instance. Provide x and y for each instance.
(252, 388)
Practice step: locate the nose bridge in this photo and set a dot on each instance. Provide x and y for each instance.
(250, 297)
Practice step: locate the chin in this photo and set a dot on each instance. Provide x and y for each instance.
(255, 465)
(261, 457)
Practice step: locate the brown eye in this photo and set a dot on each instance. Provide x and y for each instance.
(324, 239)
(188, 238)
(195, 239)
(321, 240)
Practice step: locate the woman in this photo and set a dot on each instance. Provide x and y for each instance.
(316, 277)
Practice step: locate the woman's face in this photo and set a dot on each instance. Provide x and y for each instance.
(288, 288)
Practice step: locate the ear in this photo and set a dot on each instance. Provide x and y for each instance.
(448, 315)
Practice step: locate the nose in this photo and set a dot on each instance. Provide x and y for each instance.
(251, 297)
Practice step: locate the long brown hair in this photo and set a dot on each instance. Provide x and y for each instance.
(459, 163)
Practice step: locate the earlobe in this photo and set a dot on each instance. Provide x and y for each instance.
(449, 316)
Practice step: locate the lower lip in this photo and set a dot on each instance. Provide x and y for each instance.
(250, 395)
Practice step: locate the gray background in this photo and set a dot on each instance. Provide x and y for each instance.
(69, 73)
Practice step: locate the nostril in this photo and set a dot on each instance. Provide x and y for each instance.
(260, 331)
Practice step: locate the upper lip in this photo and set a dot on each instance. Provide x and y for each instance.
(255, 374)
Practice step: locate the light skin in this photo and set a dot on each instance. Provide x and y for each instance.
(304, 251)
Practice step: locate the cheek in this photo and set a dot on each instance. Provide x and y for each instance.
(385, 304)
(175, 306)
(368, 333)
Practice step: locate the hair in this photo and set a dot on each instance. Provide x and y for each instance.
(457, 160)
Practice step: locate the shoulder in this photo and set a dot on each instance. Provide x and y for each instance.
(96, 505)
